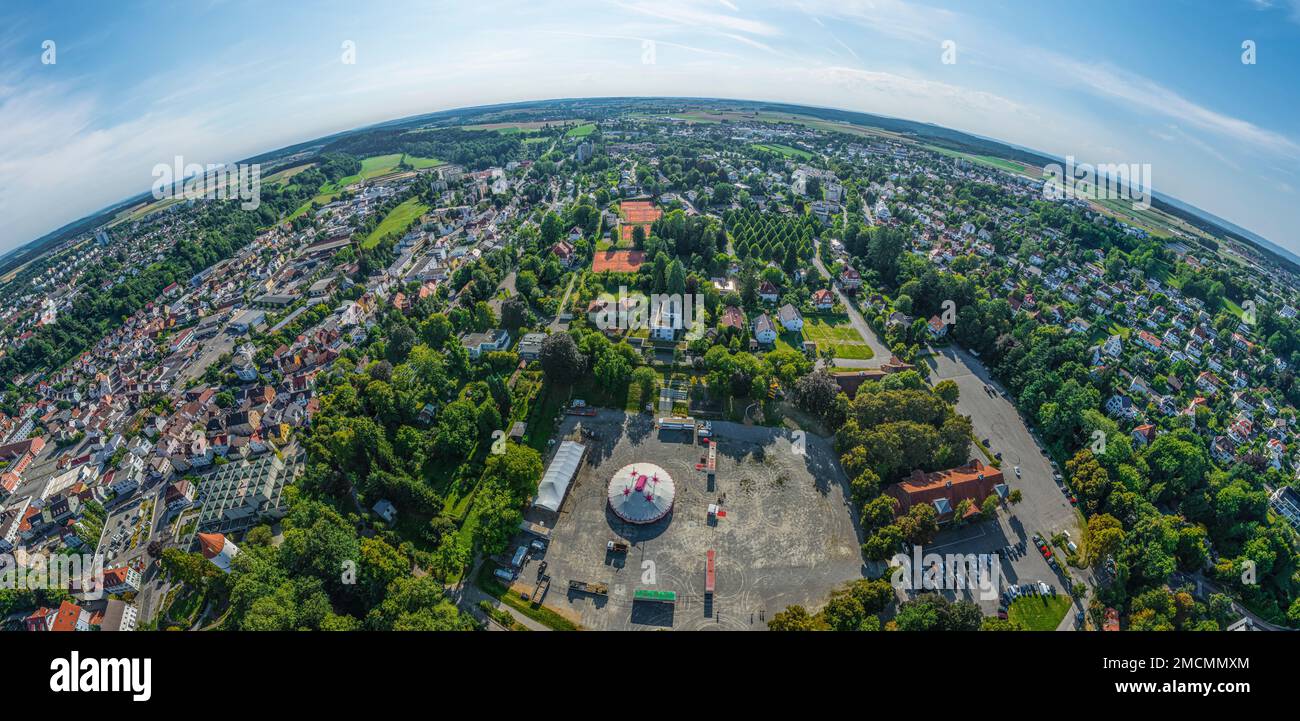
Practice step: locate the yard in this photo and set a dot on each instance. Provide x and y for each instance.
(1039, 613)
(835, 332)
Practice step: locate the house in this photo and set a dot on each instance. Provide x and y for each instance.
(823, 300)
(477, 344)
(936, 327)
(764, 331)
(767, 291)
(385, 509)
(1285, 502)
(121, 580)
(530, 346)
(790, 318)
(732, 317)
(665, 320)
(850, 279)
(1114, 346)
(1079, 325)
(179, 495)
(1144, 434)
(1208, 383)
(1222, 450)
(945, 490)
(565, 252)
(1120, 406)
(1148, 341)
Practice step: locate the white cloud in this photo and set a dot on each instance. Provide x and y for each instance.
(1139, 93)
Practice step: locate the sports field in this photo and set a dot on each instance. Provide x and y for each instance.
(638, 212)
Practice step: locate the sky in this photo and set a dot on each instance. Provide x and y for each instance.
(135, 84)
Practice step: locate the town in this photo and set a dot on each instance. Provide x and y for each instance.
(409, 390)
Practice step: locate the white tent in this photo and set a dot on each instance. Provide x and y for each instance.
(550, 494)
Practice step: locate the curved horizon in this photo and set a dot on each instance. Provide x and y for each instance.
(126, 90)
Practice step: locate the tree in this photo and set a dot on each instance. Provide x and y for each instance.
(644, 379)
(191, 569)
(920, 525)
(1103, 537)
(561, 361)
(816, 393)
(948, 391)
(794, 618)
(513, 313)
(519, 469)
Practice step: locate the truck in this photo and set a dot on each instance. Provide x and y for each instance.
(595, 589)
(616, 547)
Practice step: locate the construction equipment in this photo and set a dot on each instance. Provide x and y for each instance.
(595, 589)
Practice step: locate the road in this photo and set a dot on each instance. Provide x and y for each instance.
(1203, 587)
(878, 349)
(1044, 508)
(468, 596)
(564, 303)
(508, 285)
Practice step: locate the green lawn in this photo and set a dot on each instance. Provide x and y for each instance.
(835, 331)
(581, 131)
(397, 221)
(371, 167)
(1039, 613)
(785, 150)
(1000, 163)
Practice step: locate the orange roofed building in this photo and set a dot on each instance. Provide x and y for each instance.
(944, 490)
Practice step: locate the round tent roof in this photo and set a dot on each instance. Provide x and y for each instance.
(641, 493)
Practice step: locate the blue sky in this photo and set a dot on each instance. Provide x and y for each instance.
(136, 84)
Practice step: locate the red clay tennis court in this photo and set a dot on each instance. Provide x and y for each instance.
(638, 212)
(619, 261)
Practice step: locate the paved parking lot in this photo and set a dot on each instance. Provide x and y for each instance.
(1045, 509)
(143, 514)
(788, 537)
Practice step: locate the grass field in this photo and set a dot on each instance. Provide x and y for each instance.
(374, 166)
(785, 150)
(397, 221)
(989, 160)
(581, 131)
(283, 176)
(836, 332)
(1039, 613)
